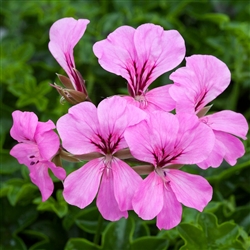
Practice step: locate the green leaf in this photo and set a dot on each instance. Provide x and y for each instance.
(209, 235)
(118, 235)
(87, 220)
(59, 206)
(80, 244)
(149, 242)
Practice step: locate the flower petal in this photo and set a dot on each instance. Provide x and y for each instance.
(170, 215)
(158, 51)
(228, 121)
(47, 140)
(126, 182)
(81, 186)
(191, 190)
(215, 158)
(149, 198)
(234, 148)
(160, 99)
(24, 126)
(23, 151)
(106, 201)
(40, 177)
(64, 35)
(83, 123)
(203, 78)
(59, 172)
(115, 115)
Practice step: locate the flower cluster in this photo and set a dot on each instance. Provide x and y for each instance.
(127, 137)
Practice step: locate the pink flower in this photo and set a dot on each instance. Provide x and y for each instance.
(163, 140)
(38, 143)
(64, 35)
(203, 79)
(87, 129)
(140, 56)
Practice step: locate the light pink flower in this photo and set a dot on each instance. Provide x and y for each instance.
(203, 79)
(163, 140)
(38, 144)
(87, 129)
(64, 35)
(140, 56)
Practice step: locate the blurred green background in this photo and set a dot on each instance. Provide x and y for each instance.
(218, 28)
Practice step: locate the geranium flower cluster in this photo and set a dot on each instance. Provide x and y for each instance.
(158, 130)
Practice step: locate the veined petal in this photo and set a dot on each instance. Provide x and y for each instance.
(195, 140)
(117, 54)
(83, 123)
(126, 182)
(158, 51)
(40, 177)
(160, 99)
(64, 35)
(150, 141)
(170, 215)
(81, 186)
(106, 201)
(227, 121)
(191, 190)
(149, 198)
(234, 148)
(204, 77)
(115, 115)
(24, 126)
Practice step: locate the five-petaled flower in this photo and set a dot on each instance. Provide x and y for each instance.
(100, 130)
(203, 79)
(165, 140)
(38, 144)
(140, 56)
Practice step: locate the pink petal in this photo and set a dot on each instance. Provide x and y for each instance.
(170, 215)
(79, 128)
(215, 158)
(195, 140)
(106, 201)
(140, 55)
(64, 35)
(159, 50)
(23, 151)
(117, 52)
(160, 99)
(115, 115)
(204, 78)
(149, 198)
(40, 177)
(126, 182)
(24, 126)
(81, 186)
(234, 148)
(228, 121)
(48, 142)
(191, 190)
(151, 139)
(59, 172)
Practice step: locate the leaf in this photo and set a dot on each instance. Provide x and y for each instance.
(118, 235)
(149, 242)
(59, 206)
(209, 235)
(80, 244)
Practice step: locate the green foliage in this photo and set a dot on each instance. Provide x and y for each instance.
(219, 28)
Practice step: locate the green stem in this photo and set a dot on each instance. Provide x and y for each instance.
(98, 230)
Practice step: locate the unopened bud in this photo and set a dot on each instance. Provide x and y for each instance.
(204, 111)
(65, 81)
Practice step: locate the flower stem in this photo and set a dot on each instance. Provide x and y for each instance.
(98, 230)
